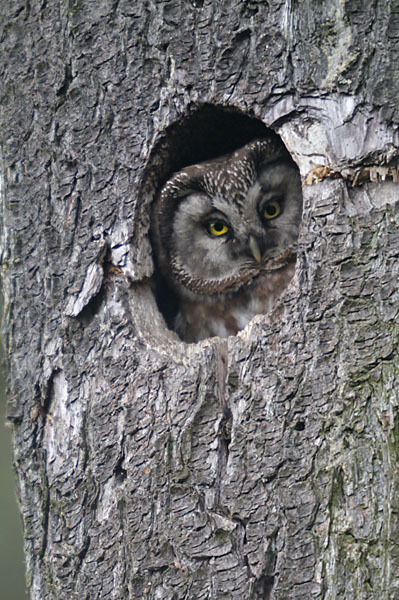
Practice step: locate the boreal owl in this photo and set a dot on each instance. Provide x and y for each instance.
(224, 233)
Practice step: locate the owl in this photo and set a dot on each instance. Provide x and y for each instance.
(223, 233)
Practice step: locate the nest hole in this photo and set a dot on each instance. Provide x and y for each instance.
(206, 133)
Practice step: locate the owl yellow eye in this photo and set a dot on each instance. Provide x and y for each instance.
(217, 228)
(272, 209)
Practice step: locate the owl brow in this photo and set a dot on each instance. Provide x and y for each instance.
(265, 187)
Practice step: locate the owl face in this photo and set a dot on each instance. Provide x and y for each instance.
(221, 234)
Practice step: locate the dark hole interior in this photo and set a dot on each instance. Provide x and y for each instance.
(205, 134)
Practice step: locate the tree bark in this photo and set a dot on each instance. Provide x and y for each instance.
(264, 466)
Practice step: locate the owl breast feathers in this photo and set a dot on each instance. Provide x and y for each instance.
(223, 233)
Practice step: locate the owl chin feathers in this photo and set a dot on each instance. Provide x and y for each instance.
(224, 314)
(224, 234)
(192, 287)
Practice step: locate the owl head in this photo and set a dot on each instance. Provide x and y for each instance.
(217, 224)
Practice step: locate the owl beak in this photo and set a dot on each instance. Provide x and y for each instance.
(254, 247)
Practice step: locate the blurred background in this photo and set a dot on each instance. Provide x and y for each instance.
(12, 570)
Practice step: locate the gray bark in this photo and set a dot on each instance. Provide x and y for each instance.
(261, 466)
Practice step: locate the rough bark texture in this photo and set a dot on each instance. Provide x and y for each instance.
(264, 466)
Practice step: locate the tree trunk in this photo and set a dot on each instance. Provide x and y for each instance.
(262, 466)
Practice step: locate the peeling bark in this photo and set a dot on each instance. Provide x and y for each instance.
(264, 466)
